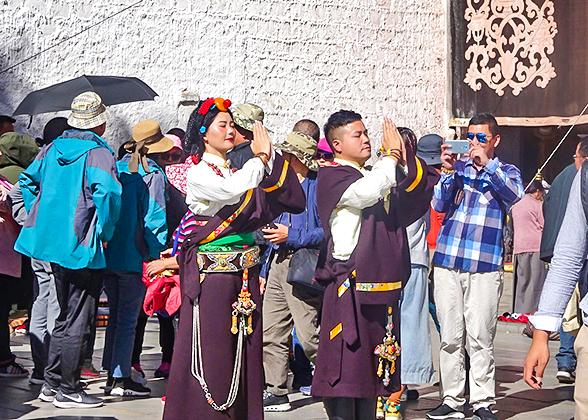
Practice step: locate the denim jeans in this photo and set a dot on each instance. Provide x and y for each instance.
(415, 337)
(566, 357)
(126, 292)
(300, 365)
(43, 314)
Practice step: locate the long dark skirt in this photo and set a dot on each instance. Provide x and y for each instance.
(185, 399)
(350, 371)
(529, 276)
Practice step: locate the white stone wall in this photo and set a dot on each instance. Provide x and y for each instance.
(295, 58)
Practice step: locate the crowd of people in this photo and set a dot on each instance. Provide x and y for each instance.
(260, 257)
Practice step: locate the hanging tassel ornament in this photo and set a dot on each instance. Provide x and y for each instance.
(234, 328)
(388, 352)
(244, 306)
(249, 325)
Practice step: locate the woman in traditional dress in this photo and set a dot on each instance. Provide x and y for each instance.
(217, 369)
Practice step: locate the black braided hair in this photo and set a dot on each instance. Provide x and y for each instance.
(193, 141)
(410, 140)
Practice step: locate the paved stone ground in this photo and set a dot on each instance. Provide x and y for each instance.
(515, 400)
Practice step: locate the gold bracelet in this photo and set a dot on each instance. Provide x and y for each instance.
(447, 171)
(264, 157)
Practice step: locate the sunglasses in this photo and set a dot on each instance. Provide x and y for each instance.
(481, 137)
(171, 156)
(324, 155)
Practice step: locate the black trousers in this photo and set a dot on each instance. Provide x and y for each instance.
(350, 408)
(7, 283)
(77, 291)
(167, 334)
(139, 336)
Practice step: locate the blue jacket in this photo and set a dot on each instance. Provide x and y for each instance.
(141, 231)
(304, 229)
(72, 197)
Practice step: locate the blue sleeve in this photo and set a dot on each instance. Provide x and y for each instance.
(102, 177)
(506, 181)
(309, 235)
(154, 217)
(305, 238)
(265, 258)
(30, 181)
(444, 192)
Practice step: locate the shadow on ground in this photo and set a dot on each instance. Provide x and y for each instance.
(508, 403)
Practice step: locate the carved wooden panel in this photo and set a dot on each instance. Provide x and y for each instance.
(509, 43)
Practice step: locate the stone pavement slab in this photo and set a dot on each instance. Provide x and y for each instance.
(516, 401)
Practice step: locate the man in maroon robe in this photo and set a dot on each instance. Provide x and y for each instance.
(364, 261)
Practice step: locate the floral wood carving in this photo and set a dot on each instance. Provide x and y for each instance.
(512, 41)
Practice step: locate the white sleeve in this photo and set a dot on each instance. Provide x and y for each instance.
(203, 184)
(374, 185)
(270, 162)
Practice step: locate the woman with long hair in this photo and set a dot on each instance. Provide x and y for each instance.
(217, 369)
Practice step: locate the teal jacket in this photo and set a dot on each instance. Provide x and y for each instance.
(141, 231)
(73, 198)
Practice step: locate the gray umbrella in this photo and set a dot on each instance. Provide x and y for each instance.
(113, 90)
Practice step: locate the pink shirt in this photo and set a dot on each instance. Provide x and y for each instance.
(527, 219)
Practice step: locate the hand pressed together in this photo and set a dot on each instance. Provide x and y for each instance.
(261, 141)
(391, 138)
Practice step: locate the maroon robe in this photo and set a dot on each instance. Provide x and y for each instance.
(278, 193)
(354, 312)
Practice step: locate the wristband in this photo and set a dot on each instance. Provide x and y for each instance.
(264, 157)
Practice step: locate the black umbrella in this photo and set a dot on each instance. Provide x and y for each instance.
(113, 90)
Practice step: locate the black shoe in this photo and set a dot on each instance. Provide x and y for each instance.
(37, 378)
(409, 395)
(47, 393)
(445, 412)
(126, 387)
(566, 376)
(484, 413)
(76, 400)
(273, 402)
(109, 385)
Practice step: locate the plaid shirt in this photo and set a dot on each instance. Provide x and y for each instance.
(471, 236)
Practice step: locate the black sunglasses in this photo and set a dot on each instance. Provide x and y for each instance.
(324, 155)
(171, 156)
(481, 137)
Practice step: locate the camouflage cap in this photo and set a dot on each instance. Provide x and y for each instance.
(302, 146)
(245, 115)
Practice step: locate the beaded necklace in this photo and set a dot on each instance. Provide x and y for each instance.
(217, 170)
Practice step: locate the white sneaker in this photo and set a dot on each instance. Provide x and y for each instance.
(565, 376)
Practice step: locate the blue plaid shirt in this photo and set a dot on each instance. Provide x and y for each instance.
(471, 236)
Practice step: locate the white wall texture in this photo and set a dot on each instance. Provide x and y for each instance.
(295, 58)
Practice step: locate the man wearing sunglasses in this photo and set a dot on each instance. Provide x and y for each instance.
(475, 192)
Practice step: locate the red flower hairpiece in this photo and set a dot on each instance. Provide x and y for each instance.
(205, 107)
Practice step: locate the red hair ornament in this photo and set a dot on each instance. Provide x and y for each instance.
(223, 105)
